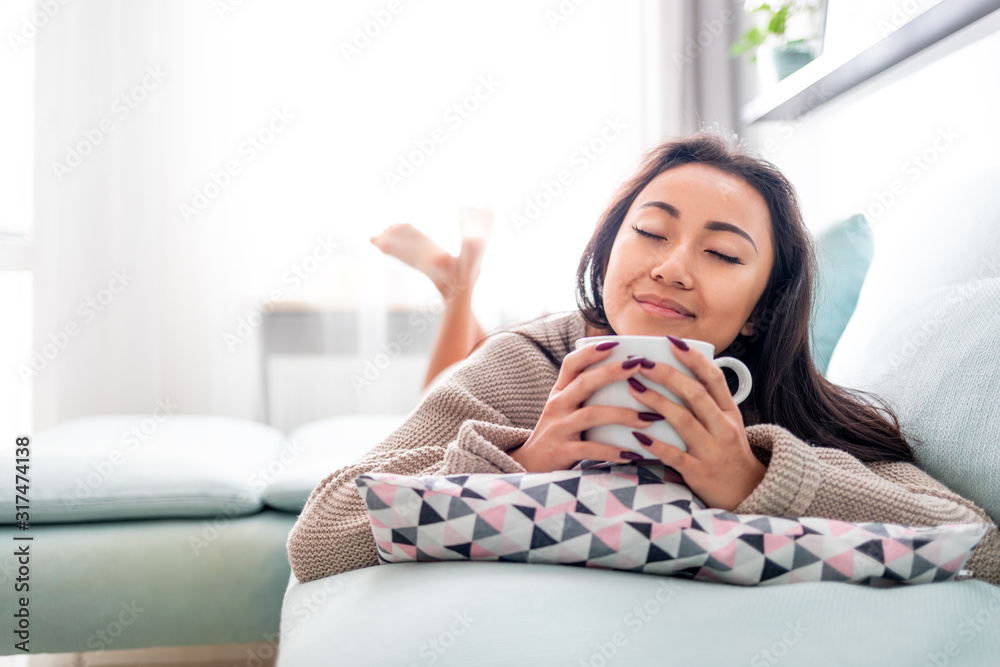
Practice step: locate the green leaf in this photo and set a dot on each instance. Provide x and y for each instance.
(777, 23)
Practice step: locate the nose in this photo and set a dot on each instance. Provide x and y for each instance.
(672, 267)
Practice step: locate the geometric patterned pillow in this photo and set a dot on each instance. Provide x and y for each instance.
(641, 517)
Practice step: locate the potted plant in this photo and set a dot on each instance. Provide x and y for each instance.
(770, 37)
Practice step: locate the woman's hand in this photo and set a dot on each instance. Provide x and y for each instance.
(719, 466)
(555, 444)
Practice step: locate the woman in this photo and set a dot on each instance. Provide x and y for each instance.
(714, 236)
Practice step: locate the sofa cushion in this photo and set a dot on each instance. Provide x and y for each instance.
(937, 363)
(481, 613)
(843, 255)
(315, 450)
(142, 466)
(641, 517)
(162, 582)
(924, 335)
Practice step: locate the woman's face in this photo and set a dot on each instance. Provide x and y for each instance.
(696, 213)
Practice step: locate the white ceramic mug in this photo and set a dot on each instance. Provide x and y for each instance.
(616, 394)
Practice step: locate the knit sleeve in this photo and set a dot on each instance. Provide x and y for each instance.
(803, 480)
(489, 405)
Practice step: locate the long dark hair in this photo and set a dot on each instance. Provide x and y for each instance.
(787, 388)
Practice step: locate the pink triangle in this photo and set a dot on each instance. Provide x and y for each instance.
(613, 506)
(954, 564)
(612, 536)
(843, 563)
(407, 549)
(452, 536)
(893, 549)
(774, 542)
(838, 528)
(727, 554)
(500, 488)
(721, 526)
(375, 522)
(661, 529)
(385, 492)
(476, 551)
(543, 513)
(494, 516)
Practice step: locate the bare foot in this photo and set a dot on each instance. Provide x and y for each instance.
(410, 245)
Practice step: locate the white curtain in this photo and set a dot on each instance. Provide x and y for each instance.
(162, 225)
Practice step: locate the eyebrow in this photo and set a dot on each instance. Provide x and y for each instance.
(713, 225)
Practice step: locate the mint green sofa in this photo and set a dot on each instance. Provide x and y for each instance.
(925, 334)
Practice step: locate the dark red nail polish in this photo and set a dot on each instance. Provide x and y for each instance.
(631, 456)
(642, 437)
(649, 416)
(606, 345)
(646, 363)
(679, 343)
(632, 362)
(638, 386)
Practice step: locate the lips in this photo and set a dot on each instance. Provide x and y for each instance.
(663, 303)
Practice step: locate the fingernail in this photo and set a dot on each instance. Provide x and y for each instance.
(679, 343)
(638, 386)
(631, 456)
(606, 345)
(649, 416)
(646, 363)
(643, 438)
(632, 362)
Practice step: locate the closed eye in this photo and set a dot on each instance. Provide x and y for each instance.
(725, 258)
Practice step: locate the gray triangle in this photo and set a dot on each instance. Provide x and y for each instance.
(654, 512)
(483, 529)
(832, 574)
(539, 493)
(920, 565)
(803, 557)
(458, 507)
(598, 548)
(763, 524)
(374, 502)
(626, 496)
(573, 528)
(689, 547)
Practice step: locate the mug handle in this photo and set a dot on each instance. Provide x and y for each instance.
(742, 372)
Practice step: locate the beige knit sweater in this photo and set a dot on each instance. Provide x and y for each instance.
(492, 401)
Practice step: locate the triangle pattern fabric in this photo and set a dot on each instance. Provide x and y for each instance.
(642, 518)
